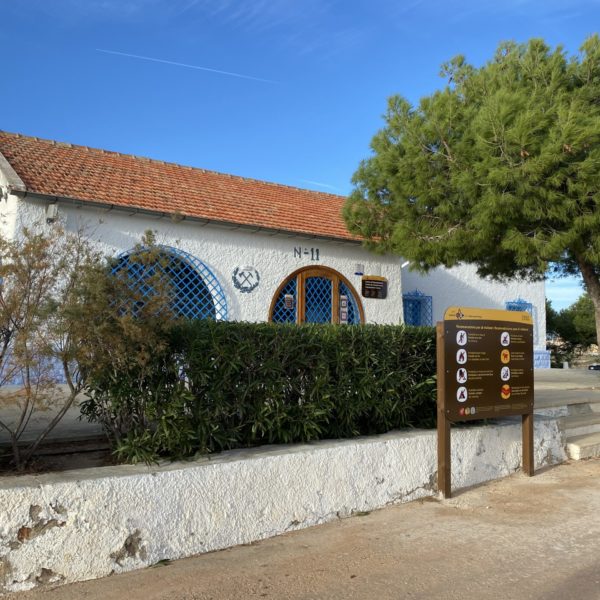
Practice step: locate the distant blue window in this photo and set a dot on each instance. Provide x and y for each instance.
(197, 293)
(418, 308)
(523, 305)
(520, 304)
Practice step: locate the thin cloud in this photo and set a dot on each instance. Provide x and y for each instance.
(308, 27)
(261, 15)
(187, 66)
(523, 9)
(320, 184)
(75, 10)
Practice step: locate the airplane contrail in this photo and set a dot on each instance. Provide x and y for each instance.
(178, 64)
(325, 185)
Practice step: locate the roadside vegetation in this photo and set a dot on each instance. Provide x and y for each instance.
(571, 331)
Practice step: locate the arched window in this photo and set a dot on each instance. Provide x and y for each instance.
(316, 295)
(417, 308)
(197, 292)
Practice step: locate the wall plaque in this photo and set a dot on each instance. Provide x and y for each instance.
(288, 301)
(374, 286)
(343, 309)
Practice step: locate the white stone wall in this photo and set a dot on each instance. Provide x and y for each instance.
(462, 285)
(72, 526)
(223, 249)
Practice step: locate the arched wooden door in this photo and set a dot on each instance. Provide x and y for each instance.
(316, 295)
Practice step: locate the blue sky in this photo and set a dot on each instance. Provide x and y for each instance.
(282, 90)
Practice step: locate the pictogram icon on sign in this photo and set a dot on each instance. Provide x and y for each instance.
(461, 357)
(505, 338)
(461, 375)
(505, 357)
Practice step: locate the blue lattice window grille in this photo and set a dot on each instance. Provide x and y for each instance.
(418, 308)
(520, 304)
(523, 305)
(196, 291)
(318, 299)
(353, 312)
(283, 313)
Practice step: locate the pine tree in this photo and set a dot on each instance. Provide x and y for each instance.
(500, 169)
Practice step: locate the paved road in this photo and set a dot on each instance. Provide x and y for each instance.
(517, 538)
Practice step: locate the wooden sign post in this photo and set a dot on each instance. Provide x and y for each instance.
(484, 371)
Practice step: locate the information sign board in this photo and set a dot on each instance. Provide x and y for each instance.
(374, 286)
(488, 360)
(484, 370)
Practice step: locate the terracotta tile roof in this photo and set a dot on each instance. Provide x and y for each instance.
(88, 174)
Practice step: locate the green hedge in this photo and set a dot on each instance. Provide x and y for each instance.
(230, 385)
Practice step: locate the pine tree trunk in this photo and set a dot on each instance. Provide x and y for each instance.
(596, 301)
(592, 285)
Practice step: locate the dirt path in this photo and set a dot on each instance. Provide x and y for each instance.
(518, 538)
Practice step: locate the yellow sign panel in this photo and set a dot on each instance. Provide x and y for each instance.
(460, 313)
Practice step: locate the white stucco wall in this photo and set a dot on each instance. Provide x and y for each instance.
(222, 249)
(462, 285)
(78, 525)
(9, 205)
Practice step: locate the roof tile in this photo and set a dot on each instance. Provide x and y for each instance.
(88, 174)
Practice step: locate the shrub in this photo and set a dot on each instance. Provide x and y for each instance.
(132, 380)
(46, 277)
(228, 385)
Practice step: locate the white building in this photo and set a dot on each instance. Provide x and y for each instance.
(240, 249)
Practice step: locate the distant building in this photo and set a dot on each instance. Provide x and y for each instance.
(237, 248)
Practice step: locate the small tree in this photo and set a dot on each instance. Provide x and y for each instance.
(575, 324)
(551, 319)
(126, 337)
(583, 320)
(43, 274)
(500, 169)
